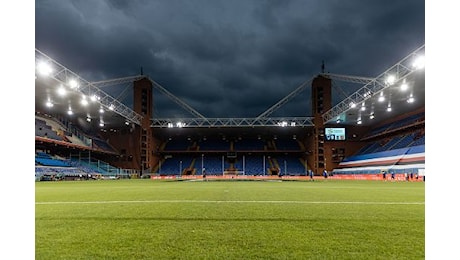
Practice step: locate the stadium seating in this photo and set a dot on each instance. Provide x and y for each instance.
(172, 165)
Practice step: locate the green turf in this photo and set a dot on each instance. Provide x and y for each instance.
(145, 219)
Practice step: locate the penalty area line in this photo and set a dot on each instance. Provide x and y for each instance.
(228, 201)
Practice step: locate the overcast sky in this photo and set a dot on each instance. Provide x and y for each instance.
(228, 58)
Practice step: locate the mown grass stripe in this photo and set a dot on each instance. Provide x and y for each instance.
(229, 201)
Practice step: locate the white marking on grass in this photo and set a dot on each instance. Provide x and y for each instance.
(230, 201)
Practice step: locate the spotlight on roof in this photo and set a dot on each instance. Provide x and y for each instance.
(372, 116)
(61, 91)
(70, 112)
(73, 83)
(363, 107)
(338, 121)
(170, 125)
(389, 108)
(94, 98)
(101, 124)
(410, 99)
(282, 123)
(88, 119)
(49, 103)
(126, 123)
(352, 105)
(44, 68)
(83, 101)
(111, 107)
(404, 86)
(101, 110)
(359, 122)
(419, 62)
(390, 79)
(381, 97)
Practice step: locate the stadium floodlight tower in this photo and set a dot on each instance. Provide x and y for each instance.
(48, 67)
(396, 74)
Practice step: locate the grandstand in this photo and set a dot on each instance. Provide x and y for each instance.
(378, 128)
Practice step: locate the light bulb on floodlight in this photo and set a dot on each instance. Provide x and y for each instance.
(391, 79)
(352, 105)
(70, 112)
(49, 104)
(44, 69)
(101, 110)
(94, 98)
(389, 109)
(404, 87)
(84, 102)
(419, 63)
(61, 91)
(410, 99)
(88, 119)
(372, 116)
(101, 124)
(359, 122)
(111, 107)
(73, 83)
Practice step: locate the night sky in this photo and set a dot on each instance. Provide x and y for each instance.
(228, 58)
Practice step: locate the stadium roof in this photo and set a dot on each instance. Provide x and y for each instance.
(401, 87)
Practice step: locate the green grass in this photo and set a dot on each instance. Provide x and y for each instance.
(145, 219)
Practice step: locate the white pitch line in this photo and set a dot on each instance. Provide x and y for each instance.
(229, 201)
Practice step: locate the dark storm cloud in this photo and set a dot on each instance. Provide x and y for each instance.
(228, 58)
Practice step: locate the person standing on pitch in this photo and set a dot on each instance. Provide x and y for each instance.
(311, 175)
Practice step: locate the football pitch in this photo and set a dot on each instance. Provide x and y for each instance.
(153, 219)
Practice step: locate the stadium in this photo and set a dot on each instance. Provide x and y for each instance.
(114, 181)
(82, 130)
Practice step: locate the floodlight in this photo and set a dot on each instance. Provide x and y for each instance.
(111, 107)
(363, 107)
(94, 98)
(61, 91)
(44, 69)
(419, 62)
(352, 105)
(49, 104)
(101, 110)
(83, 101)
(381, 97)
(73, 83)
(88, 119)
(372, 116)
(70, 112)
(390, 79)
(404, 87)
(359, 122)
(283, 123)
(170, 125)
(410, 99)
